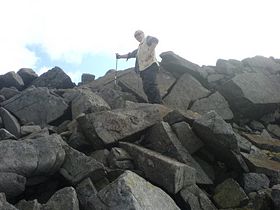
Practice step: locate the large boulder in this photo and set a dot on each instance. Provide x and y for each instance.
(252, 94)
(37, 105)
(12, 184)
(131, 191)
(11, 79)
(186, 90)
(54, 78)
(27, 75)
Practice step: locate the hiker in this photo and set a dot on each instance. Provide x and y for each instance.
(146, 65)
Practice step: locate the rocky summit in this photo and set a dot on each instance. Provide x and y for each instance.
(213, 144)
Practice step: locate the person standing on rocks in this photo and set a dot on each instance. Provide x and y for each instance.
(146, 64)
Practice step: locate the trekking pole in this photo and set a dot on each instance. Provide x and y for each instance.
(116, 71)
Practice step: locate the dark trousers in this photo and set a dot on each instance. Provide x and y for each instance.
(149, 76)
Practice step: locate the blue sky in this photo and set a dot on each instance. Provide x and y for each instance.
(82, 36)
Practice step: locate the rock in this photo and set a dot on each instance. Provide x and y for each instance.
(12, 184)
(165, 81)
(118, 158)
(214, 102)
(263, 143)
(196, 198)
(28, 205)
(178, 66)
(37, 105)
(86, 101)
(86, 78)
(154, 166)
(86, 193)
(229, 67)
(274, 130)
(54, 78)
(252, 95)
(176, 116)
(275, 194)
(131, 191)
(5, 135)
(108, 127)
(254, 182)
(27, 75)
(11, 124)
(186, 90)
(11, 79)
(63, 199)
(162, 139)
(229, 195)
(77, 166)
(29, 129)
(101, 156)
(219, 137)
(260, 200)
(4, 204)
(257, 126)
(262, 64)
(187, 137)
(9, 92)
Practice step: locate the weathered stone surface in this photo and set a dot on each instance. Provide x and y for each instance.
(187, 137)
(9, 92)
(162, 139)
(186, 90)
(11, 79)
(28, 205)
(27, 75)
(179, 116)
(131, 191)
(4, 204)
(63, 199)
(178, 66)
(165, 80)
(4, 134)
(254, 182)
(77, 166)
(86, 101)
(118, 158)
(154, 166)
(229, 67)
(214, 102)
(37, 105)
(101, 156)
(28, 129)
(86, 193)
(12, 184)
(86, 78)
(11, 124)
(274, 130)
(263, 143)
(262, 64)
(220, 138)
(257, 126)
(252, 94)
(275, 194)
(229, 195)
(54, 78)
(196, 198)
(107, 127)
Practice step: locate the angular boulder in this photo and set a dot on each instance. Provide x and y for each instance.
(11, 79)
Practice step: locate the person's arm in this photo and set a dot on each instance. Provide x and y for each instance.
(128, 55)
(152, 41)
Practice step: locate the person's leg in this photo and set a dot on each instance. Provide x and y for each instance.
(150, 85)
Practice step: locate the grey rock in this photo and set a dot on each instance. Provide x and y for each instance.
(86, 101)
(2, 98)
(165, 81)
(229, 195)
(187, 137)
(275, 194)
(86, 193)
(101, 156)
(4, 134)
(254, 182)
(11, 124)
(162, 139)
(11, 79)
(12, 184)
(86, 78)
(229, 67)
(154, 166)
(118, 158)
(131, 191)
(252, 95)
(186, 90)
(28, 205)
(257, 126)
(4, 204)
(196, 198)
(54, 78)
(77, 166)
(274, 130)
(108, 127)
(9, 92)
(27, 75)
(29, 129)
(214, 102)
(37, 105)
(63, 199)
(175, 116)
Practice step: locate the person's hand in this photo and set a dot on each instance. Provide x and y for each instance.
(118, 56)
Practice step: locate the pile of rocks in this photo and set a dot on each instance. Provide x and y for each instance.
(214, 144)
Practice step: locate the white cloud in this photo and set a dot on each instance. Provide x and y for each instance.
(201, 31)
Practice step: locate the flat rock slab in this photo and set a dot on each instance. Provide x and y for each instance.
(263, 143)
(131, 191)
(154, 165)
